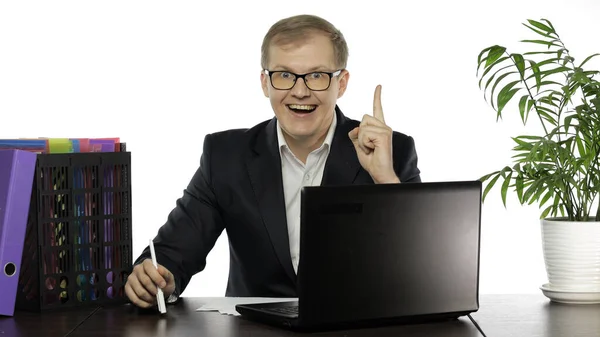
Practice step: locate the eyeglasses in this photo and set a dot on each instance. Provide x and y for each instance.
(316, 81)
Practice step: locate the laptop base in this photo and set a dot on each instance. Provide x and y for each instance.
(275, 314)
(260, 312)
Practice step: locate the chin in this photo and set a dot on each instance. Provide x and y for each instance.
(301, 133)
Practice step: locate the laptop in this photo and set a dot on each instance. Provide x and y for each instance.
(383, 254)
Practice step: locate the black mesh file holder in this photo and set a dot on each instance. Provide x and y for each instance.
(78, 248)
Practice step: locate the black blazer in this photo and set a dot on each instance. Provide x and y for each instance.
(238, 188)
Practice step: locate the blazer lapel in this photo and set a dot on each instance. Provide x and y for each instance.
(264, 168)
(342, 166)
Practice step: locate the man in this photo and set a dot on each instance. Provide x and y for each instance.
(249, 180)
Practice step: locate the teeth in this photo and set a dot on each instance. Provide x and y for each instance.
(302, 107)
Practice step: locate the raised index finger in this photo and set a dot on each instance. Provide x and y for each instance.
(377, 109)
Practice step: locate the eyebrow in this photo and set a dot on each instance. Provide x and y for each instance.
(317, 68)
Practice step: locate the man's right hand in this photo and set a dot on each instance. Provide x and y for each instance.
(142, 282)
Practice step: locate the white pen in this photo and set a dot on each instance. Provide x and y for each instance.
(160, 298)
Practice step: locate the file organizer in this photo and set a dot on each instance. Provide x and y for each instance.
(16, 180)
(78, 248)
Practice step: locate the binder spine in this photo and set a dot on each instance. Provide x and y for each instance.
(16, 179)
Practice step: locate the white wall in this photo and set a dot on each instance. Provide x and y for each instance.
(159, 74)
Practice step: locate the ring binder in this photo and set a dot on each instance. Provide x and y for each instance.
(16, 180)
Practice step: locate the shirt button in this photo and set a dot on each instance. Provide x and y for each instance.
(307, 177)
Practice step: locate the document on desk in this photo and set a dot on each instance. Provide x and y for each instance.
(226, 305)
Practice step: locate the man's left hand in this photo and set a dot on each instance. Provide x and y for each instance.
(372, 140)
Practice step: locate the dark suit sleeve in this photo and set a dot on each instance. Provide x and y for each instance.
(406, 160)
(192, 227)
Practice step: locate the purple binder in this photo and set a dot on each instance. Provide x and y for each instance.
(17, 171)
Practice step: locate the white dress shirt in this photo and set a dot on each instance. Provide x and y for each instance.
(297, 175)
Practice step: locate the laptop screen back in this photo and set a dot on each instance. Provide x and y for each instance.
(385, 251)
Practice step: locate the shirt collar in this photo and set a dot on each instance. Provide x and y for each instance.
(326, 143)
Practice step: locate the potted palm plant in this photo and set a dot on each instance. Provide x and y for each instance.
(559, 169)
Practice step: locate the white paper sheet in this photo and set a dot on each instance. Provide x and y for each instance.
(226, 305)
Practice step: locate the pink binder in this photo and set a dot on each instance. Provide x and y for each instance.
(17, 171)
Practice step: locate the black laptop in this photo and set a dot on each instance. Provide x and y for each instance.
(383, 254)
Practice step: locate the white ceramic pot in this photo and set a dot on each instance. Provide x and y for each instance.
(572, 257)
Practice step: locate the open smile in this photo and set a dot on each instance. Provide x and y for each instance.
(302, 108)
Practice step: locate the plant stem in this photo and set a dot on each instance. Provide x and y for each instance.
(593, 167)
(567, 191)
(597, 218)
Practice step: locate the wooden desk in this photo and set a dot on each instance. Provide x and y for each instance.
(499, 316)
(47, 324)
(182, 320)
(534, 315)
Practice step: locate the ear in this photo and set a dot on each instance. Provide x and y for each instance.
(343, 82)
(263, 82)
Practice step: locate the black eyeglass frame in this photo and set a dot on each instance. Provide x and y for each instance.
(297, 76)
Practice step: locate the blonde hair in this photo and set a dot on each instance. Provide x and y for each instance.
(298, 28)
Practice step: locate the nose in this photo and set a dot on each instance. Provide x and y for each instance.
(300, 89)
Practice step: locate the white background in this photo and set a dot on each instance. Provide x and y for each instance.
(162, 74)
